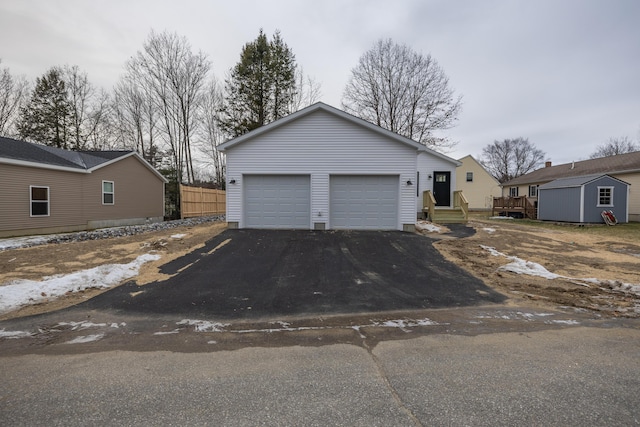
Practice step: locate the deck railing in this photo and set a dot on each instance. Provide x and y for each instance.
(428, 204)
(460, 202)
(514, 205)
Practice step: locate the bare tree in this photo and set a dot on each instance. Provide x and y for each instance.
(511, 158)
(136, 118)
(404, 92)
(14, 93)
(307, 91)
(175, 77)
(615, 146)
(211, 133)
(89, 111)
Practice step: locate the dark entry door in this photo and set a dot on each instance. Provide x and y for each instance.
(442, 188)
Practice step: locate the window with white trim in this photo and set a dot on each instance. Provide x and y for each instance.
(39, 200)
(533, 191)
(513, 191)
(108, 194)
(605, 196)
(469, 176)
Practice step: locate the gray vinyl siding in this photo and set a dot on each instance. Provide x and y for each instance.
(75, 198)
(559, 204)
(321, 144)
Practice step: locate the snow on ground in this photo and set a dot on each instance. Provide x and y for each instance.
(23, 242)
(207, 326)
(178, 236)
(20, 292)
(427, 226)
(85, 339)
(489, 230)
(521, 266)
(14, 334)
(501, 217)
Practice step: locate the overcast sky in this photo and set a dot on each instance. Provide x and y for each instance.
(563, 73)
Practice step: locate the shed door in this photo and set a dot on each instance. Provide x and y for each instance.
(442, 188)
(364, 202)
(277, 201)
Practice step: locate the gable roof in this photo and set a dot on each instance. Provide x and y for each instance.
(479, 164)
(621, 163)
(320, 106)
(575, 181)
(25, 153)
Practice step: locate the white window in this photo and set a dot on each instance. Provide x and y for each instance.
(108, 193)
(513, 191)
(533, 191)
(39, 200)
(469, 176)
(605, 196)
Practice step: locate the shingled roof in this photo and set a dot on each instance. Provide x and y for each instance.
(621, 163)
(23, 151)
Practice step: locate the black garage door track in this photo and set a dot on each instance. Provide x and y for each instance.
(262, 273)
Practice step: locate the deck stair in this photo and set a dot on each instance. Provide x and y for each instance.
(458, 214)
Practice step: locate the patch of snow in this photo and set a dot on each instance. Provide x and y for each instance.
(22, 242)
(500, 217)
(427, 226)
(175, 331)
(14, 334)
(24, 292)
(564, 322)
(204, 325)
(178, 236)
(521, 266)
(85, 339)
(489, 230)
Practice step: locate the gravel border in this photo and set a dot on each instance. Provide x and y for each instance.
(105, 233)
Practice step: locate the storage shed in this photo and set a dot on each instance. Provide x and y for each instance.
(582, 199)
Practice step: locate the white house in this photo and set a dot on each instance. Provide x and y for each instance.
(321, 168)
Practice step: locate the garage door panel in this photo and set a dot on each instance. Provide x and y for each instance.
(364, 202)
(277, 201)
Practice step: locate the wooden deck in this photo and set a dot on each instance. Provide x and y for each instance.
(520, 207)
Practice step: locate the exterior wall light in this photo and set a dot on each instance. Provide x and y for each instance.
(232, 181)
(409, 182)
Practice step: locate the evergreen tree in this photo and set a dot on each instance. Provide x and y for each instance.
(46, 118)
(260, 87)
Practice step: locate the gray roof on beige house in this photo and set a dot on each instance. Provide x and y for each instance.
(25, 153)
(621, 163)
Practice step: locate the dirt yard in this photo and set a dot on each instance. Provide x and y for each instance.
(46, 260)
(580, 254)
(576, 253)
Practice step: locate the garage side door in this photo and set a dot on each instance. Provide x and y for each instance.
(277, 201)
(364, 202)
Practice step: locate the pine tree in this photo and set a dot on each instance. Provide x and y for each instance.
(260, 87)
(46, 118)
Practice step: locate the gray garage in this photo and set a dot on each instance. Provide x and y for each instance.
(367, 202)
(277, 201)
(583, 198)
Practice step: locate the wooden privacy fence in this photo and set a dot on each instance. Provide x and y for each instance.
(198, 201)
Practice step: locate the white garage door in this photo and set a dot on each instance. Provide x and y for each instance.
(277, 201)
(364, 202)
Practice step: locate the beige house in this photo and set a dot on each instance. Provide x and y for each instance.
(49, 190)
(478, 186)
(625, 167)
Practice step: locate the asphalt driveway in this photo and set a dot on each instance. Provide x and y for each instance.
(262, 273)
